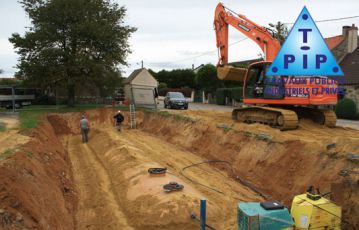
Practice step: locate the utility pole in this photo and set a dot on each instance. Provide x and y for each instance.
(142, 64)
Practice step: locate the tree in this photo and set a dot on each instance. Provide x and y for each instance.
(279, 32)
(162, 85)
(177, 78)
(207, 79)
(72, 43)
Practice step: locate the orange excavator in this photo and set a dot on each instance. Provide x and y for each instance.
(274, 100)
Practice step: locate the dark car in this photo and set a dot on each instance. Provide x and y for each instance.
(10, 106)
(175, 100)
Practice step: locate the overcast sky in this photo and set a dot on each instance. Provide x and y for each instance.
(176, 34)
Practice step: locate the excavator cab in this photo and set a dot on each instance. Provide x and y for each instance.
(259, 85)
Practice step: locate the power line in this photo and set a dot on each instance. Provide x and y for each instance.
(324, 20)
(329, 20)
(337, 19)
(288, 23)
(236, 42)
(207, 52)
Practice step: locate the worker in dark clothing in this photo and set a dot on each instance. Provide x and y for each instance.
(85, 127)
(118, 118)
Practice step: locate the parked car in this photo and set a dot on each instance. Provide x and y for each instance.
(175, 100)
(10, 106)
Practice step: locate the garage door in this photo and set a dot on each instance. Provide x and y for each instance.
(144, 97)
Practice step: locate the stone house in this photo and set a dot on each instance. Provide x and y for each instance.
(345, 49)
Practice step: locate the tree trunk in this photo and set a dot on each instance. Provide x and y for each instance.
(71, 95)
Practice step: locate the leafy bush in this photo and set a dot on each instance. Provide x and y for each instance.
(207, 79)
(162, 85)
(187, 92)
(346, 109)
(177, 78)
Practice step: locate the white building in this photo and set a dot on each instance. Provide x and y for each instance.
(141, 88)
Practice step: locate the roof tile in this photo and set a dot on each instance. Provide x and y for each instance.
(332, 42)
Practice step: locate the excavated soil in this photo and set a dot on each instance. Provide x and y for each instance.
(280, 164)
(114, 191)
(36, 184)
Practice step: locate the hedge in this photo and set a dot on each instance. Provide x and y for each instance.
(235, 93)
(187, 92)
(221, 95)
(346, 109)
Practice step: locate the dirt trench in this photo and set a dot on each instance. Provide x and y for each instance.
(277, 164)
(114, 191)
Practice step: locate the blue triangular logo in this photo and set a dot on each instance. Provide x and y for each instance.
(305, 52)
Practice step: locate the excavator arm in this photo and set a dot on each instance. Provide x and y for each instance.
(225, 17)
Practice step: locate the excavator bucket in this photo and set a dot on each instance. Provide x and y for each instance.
(230, 73)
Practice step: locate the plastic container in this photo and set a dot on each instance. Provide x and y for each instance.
(252, 216)
(319, 213)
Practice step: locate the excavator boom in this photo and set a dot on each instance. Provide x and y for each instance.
(260, 35)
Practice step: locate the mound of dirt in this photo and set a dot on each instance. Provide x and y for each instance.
(36, 189)
(345, 192)
(279, 164)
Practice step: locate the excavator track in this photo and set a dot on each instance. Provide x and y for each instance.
(279, 118)
(330, 118)
(321, 116)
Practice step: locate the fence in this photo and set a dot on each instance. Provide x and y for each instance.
(13, 99)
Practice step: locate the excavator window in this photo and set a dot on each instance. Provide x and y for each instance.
(262, 86)
(251, 81)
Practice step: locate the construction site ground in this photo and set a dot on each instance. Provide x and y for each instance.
(221, 108)
(51, 180)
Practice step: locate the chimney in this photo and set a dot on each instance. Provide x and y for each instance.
(350, 33)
